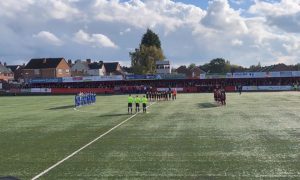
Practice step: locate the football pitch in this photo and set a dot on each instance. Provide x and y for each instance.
(257, 135)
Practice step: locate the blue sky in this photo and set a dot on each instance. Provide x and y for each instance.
(244, 32)
(202, 4)
(244, 4)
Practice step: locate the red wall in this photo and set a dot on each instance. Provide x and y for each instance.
(190, 89)
(78, 90)
(230, 89)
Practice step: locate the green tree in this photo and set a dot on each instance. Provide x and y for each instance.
(151, 39)
(297, 67)
(255, 67)
(143, 59)
(191, 66)
(218, 65)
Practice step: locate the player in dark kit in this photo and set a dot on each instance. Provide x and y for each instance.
(223, 96)
(240, 89)
(152, 95)
(215, 94)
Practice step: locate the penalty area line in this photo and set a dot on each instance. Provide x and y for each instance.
(85, 146)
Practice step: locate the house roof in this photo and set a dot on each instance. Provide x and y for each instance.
(162, 62)
(13, 68)
(4, 69)
(182, 69)
(198, 69)
(43, 63)
(280, 67)
(111, 67)
(95, 65)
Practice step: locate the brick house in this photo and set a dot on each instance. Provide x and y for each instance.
(46, 68)
(5, 73)
(17, 70)
(114, 68)
(80, 68)
(195, 72)
(97, 69)
(190, 73)
(88, 68)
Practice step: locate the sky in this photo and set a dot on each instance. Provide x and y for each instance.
(245, 32)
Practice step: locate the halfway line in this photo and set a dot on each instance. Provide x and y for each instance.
(83, 147)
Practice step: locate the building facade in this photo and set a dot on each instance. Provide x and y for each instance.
(113, 68)
(163, 67)
(80, 68)
(5, 73)
(96, 69)
(46, 68)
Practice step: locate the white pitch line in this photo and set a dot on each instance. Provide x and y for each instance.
(90, 112)
(83, 147)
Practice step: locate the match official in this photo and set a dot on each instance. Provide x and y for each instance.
(144, 101)
(137, 103)
(130, 101)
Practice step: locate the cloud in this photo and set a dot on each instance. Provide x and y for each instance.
(125, 31)
(221, 16)
(59, 9)
(236, 42)
(266, 31)
(284, 15)
(95, 40)
(12, 7)
(287, 60)
(48, 37)
(148, 13)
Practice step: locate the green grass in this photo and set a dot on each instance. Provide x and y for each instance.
(257, 135)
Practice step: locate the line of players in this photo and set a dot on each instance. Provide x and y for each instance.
(83, 99)
(152, 96)
(220, 96)
(161, 96)
(137, 100)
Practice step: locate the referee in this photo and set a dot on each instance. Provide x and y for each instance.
(130, 101)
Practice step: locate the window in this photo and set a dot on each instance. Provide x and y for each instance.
(67, 71)
(36, 72)
(60, 71)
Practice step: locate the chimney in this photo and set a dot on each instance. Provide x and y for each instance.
(88, 61)
(70, 62)
(5, 64)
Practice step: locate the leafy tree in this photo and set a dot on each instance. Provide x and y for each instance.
(297, 67)
(151, 39)
(255, 67)
(143, 59)
(191, 66)
(218, 65)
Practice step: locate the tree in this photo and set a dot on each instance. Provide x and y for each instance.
(218, 65)
(297, 67)
(191, 66)
(255, 67)
(143, 59)
(151, 39)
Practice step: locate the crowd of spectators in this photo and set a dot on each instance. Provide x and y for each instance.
(166, 83)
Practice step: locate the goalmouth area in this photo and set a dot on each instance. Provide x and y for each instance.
(256, 135)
